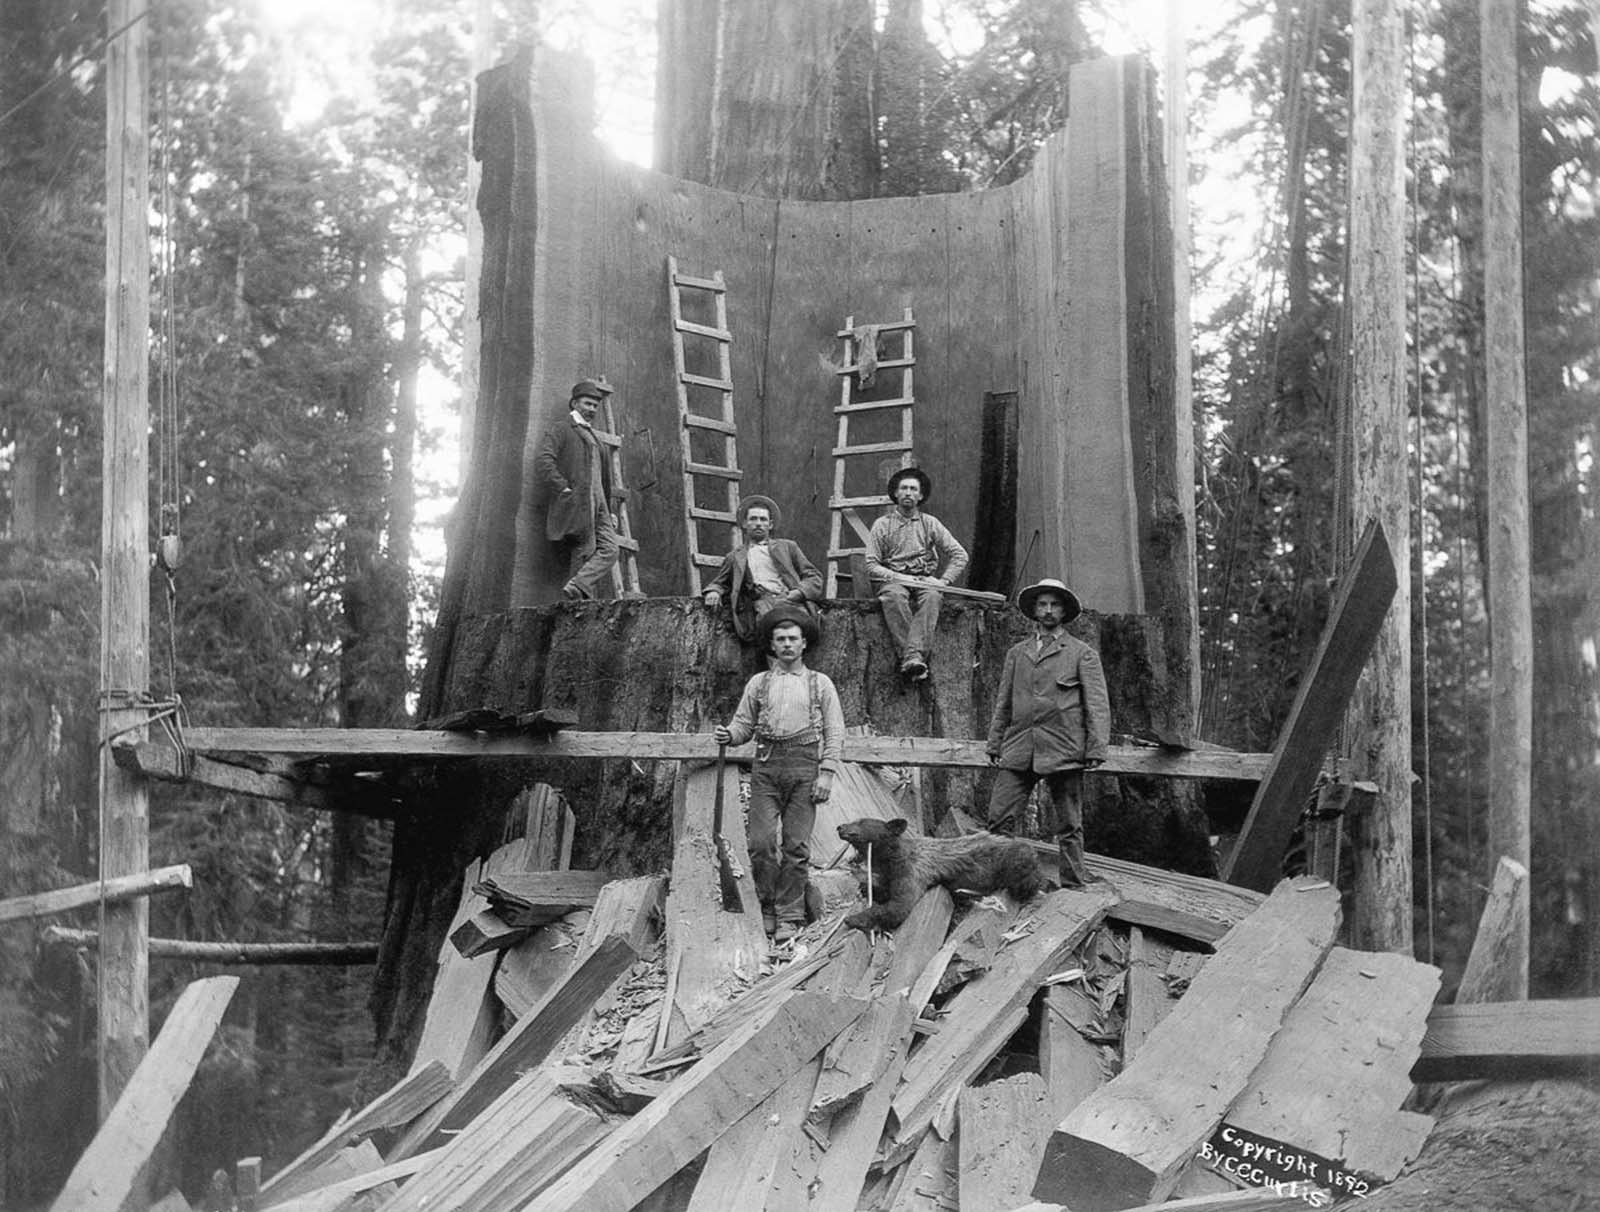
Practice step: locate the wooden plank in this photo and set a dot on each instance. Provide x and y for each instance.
(1334, 1078)
(1496, 968)
(461, 1018)
(372, 748)
(713, 952)
(1128, 1142)
(486, 932)
(1070, 1065)
(982, 1016)
(932, 1178)
(700, 1106)
(528, 970)
(531, 1038)
(855, 1131)
(112, 891)
(1510, 1040)
(398, 1105)
(741, 1166)
(1004, 1125)
(105, 1174)
(253, 954)
(351, 1162)
(1360, 604)
(571, 889)
(1144, 996)
(1197, 929)
(855, 1061)
(532, 1131)
(340, 1196)
(158, 760)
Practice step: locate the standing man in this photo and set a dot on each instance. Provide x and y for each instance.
(1052, 721)
(910, 557)
(794, 714)
(764, 572)
(573, 476)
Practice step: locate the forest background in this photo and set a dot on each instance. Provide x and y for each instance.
(307, 225)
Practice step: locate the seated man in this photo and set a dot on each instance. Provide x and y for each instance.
(910, 556)
(765, 572)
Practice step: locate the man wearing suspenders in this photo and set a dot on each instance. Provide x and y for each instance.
(794, 715)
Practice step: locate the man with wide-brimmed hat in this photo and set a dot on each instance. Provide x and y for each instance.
(1052, 721)
(764, 571)
(572, 476)
(794, 715)
(910, 556)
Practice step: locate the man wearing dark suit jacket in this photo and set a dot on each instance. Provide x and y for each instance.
(573, 477)
(764, 572)
(1052, 721)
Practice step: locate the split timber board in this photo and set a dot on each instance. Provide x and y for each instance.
(358, 748)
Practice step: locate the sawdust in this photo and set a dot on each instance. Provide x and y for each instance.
(1502, 1147)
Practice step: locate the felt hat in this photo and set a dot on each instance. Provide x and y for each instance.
(787, 613)
(588, 388)
(757, 499)
(899, 473)
(1025, 599)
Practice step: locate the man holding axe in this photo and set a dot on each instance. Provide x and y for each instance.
(911, 558)
(794, 715)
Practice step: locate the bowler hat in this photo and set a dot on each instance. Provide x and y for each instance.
(787, 613)
(590, 389)
(1025, 599)
(766, 503)
(901, 473)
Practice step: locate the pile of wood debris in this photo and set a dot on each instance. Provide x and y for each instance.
(1154, 1039)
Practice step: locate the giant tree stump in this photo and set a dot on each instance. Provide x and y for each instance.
(670, 664)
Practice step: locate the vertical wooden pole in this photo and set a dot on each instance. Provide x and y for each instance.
(1175, 102)
(1379, 724)
(1510, 601)
(124, 1029)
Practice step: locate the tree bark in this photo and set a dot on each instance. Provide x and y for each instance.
(1379, 725)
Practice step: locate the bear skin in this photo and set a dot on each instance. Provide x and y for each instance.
(903, 868)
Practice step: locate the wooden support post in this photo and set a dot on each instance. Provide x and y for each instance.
(112, 891)
(1359, 609)
(1510, 606)
(1378, 727)
(106, 1173)
(124, 994)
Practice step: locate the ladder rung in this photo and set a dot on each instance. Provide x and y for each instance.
(895, 327)
(707, 561)
(695, 283)
(711, 469)
(607, 439)
(840, 452)
(856, 502)
(705, 330)
(885, 364)
(869, 405)
(704, 381)
(711, 515)
(845, 552)
(715, 423)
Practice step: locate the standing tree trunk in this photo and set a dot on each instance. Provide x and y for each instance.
(1510, 608)
(774, 100)
(1379, 724)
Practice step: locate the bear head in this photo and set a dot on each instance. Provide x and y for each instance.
(870, 831)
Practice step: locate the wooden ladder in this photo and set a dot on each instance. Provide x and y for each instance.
(723, 476)
(844, 507)
(625, 572)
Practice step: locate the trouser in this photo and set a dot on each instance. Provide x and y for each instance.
(781, 807)
(590, 560)
(1063, 817)
(911, 613)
